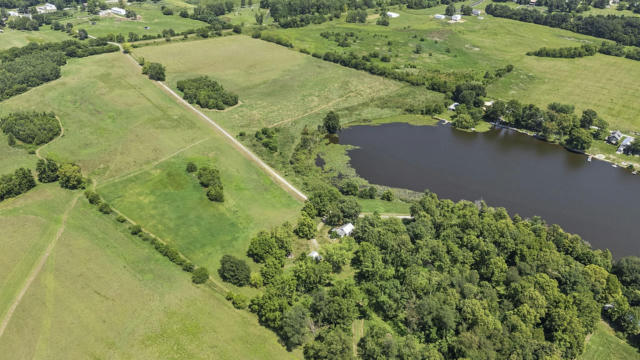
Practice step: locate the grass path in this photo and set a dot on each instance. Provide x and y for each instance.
(36, 270)
(59, 136)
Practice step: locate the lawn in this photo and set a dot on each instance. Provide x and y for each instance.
(10, 38)
(601, 82)
(105, 294)
(604, 344)
(13, 157)
(150, 14)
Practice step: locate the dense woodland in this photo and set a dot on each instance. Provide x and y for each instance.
(32, 127)
(624, 30)
(207, 93)
(458, 280)
(606, 48)
(35, 64)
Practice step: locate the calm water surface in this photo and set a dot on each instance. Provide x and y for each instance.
(504, 168)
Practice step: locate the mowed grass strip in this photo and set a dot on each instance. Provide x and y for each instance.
(604, 344)
(16, 38)
(106, 294)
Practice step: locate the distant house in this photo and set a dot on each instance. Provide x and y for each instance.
(615, 137)
(17, 14)
(392, 14)
(624, 144)
(614, 2)
(532, 2)
(488, 103)
(456, 17)
(476, 12)
(46, 8)
(344, 230)
(315, 255)
(118, 11)
(439, 16)
(453, 106)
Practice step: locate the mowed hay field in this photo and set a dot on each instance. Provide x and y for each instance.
(103, 291)
(106, 294)
(276, 86)
(604, 344)
(604, 83)
(11, 38)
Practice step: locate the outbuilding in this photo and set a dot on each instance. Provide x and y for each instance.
(46, 8)
(344, 230)
(392, 14)
(439, 16)
(118, 11)
(315, 255)
(624, 144)
(453, 106)
(456, 17)
(476, 12)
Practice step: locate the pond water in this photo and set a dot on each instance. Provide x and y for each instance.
(505, 168)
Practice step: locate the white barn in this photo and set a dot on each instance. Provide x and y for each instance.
(344, 230)
(118, 11)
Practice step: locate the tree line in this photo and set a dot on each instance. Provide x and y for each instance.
(457, 280)
(35, 64)
(207, 93)
(606, 48)
(624, 30)
(31, 127)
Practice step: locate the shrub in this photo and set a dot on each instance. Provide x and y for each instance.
(234, 270)
(70, 177)
(120, 219)
(200, 275)
(105, 208)
(93, 197)
(191, 167)
(331, 122)
(47, 171)
(188, 266)
(215, 193)
(135, 229)
(387, 195)
(11, 140)
(306, 228)
(256, 280)
(155, 71)
(167, 11)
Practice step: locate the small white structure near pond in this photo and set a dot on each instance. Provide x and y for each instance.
(344, 230)
(392, 14)
(453, 106)
(439, 16)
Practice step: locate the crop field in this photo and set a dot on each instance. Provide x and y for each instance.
(10, 38)
(103, 293)
(474, 46)
(100, 284)
(150, 14)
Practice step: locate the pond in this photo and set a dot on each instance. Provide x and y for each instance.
(505, 168)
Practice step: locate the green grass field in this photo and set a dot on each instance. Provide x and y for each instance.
(603, 83)
(103, 285)
(105, 294)
(151, 16)
(10, 38)
(604, 344)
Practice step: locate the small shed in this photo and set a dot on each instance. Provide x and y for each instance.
(344, 230)
(439, 16)
(453, 106)
(118, 11)
(315, 255)
(392, 14)
(456, 17)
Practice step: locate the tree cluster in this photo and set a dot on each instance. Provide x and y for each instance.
(155, 71)
(209, 178)
(566, 52)
(207, 93)
(35, 64)
(267, 137)
(621, 29)
(234, 270)
(457, 280)
(31, 127)
(12, 185)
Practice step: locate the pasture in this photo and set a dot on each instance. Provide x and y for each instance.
(104, 293)
(101, 284)
(604, 344)
(10, 38)
(601, 82)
